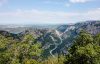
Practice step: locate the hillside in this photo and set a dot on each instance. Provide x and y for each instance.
(54, 40)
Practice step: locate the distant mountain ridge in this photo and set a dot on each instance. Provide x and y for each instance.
(57, 38)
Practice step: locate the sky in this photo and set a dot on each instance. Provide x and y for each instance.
(48, 11)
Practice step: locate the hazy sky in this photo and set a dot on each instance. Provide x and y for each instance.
(48, 11)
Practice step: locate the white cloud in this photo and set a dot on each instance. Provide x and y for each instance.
(79, 1)
(93, 14)
(35, 16)
(76, 1)
(43, 17)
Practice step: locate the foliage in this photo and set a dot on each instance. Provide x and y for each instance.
(84, 50)
(55, 60)
(26, 51)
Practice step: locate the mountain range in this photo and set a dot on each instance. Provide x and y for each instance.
(55, 39)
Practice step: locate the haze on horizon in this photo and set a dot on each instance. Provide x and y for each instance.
(48, 11)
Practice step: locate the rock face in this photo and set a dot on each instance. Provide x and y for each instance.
(57, 40)
(7, 34)
(92, 27)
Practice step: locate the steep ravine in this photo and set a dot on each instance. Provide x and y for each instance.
(56, 45)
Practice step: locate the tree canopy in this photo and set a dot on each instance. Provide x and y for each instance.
(84, 50)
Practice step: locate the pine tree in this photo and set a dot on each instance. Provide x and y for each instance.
(84, 51)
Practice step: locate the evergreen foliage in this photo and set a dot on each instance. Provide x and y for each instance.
(26, 51)
(85, 50)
